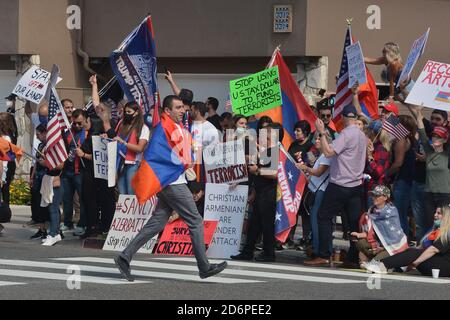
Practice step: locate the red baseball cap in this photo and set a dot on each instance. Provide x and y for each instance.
(391, 107)
(441, 132)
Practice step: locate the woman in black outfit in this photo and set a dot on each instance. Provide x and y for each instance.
(98, 197)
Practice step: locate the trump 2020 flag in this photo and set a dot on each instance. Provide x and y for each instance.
(134, 64)
(164, 160)
(291, 183)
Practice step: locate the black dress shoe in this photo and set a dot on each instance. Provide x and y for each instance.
(213, 270)
(124, 268)
(242, 256)
(264, 258)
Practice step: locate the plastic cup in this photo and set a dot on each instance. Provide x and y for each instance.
(435, 273)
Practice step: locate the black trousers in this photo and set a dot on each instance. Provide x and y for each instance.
(410, 255)
(338, 199)
(262, 219)
(38, 213)
(99, 202)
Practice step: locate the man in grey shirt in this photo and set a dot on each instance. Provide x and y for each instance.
(343, 194)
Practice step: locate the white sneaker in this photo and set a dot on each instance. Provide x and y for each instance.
(45, 239)
(1, 228)
(376, 267)
(50, 241)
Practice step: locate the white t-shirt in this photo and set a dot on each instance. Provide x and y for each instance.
(204, 134)
(5, 163)
(315, 182)
(145, 135)
(182, 178)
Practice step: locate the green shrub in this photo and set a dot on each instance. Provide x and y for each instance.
(20, 192)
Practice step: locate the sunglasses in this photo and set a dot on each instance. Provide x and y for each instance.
(325, 116)
(78, 123)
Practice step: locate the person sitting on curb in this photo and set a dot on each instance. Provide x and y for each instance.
(382, 235)
(426, 258)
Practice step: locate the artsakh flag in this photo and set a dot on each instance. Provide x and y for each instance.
(291, 183)
(164, 160)
(9, 151)
(294, 108)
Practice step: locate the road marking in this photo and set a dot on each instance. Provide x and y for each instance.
(151, 274)
(407, 278)
(6, 283)
(233, 272)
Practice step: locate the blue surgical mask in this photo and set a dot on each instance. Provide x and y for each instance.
(43, 119)
(437, 224)
(149, 119)
(241, 130)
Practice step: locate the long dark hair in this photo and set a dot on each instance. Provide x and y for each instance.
(8, 126)
(136, 124)
(97, 127)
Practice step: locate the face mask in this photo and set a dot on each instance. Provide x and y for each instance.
(127, 118)
(241, 130)
(43, 120)
(437, 224)
(149, 119)
(9, 103)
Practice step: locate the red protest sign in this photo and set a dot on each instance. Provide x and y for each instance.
(175, 239)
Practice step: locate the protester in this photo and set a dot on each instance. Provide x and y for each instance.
(264, 183)
(362, 122)
(212, 104)
(8, 131)
(380, 232)
(434, 252)
(99, 210)
(378, 157)
(319, 177)
(299, 150)
(132, 137)
(176, 197)
(198, 193)
(437, 188)
(72, 178)
(39, 214)
(204, 133)
(226, 122)
(393, 61)
(343, 193)
(387, 109)
(401, 170)
(68, 107)
(325, 114)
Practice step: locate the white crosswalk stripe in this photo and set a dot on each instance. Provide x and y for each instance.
(6, 283)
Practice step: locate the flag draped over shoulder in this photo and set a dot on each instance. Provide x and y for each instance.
(164, 160)
(134, 64)
(9, 151)
(291, 183)
(294, 108)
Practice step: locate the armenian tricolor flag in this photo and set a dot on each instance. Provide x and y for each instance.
(9, 151)
(164, 160)
(443, 97)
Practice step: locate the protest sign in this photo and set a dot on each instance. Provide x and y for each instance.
(33, 84)
(356, 65)
(432, 88)
(225, 162)
(228, 207)
(416, 51)
(256, 93)
(104, 157)
(129, 219)
(176, 240)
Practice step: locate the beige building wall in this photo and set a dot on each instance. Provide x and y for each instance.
(43, 31)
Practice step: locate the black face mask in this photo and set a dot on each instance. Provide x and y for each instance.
(127, 118)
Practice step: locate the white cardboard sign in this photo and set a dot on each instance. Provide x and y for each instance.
(356, 65)
(104, 157)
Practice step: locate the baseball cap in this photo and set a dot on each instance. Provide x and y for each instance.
(380, 190)
(376, 126)
(350, 111)
(391, 107)
(440, 132)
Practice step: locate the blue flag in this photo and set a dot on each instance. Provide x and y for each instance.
(134, 64)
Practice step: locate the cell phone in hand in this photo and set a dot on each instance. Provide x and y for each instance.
(166, 71)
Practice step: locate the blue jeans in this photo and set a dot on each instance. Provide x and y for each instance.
(124, 182)
(72, 182)
(418, 208)
(314, 222)
(402, 200)
(53, 210)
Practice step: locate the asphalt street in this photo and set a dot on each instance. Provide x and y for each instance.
(69, 271)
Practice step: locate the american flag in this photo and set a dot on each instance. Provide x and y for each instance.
(344, 94)
(393, 126)
(228, 103)
(56, 152)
